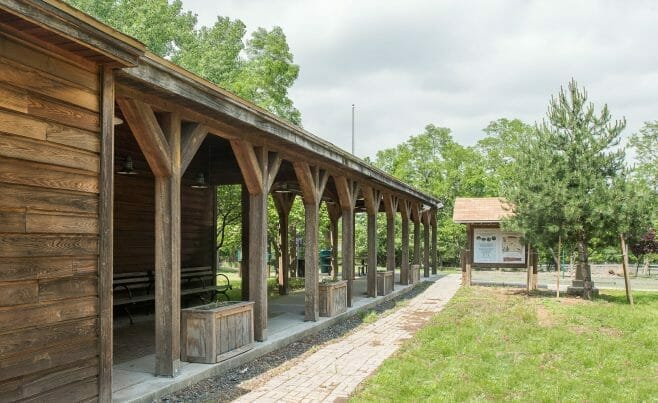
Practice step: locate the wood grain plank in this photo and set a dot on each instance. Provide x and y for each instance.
(106, 235)
(22, 125)
(11, 390)
(36, 338)
(39, 151)
(42, 382)
(18, 245)
(18, 197)
(12, 221)
(62, 113)
(40, 60)
(43, 175)
(60, 224)
(13, 98)
(47, 314)
(18, 293)
(73, 137)
(28, 268)
(22, 76)
(70, 287)
(52, 356)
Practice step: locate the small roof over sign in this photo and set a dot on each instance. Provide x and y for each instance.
(469, 210)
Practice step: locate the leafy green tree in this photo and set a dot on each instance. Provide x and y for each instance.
(268, 73)
(433, 162)
(645, 144)
(162, 26)
(499, 151)
(571, 179)
(214, 52)
(260, 69)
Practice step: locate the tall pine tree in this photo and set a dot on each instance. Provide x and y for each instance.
(570, 170)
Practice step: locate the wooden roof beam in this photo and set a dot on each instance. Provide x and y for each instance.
(347, 191)
(372, 199)
(192, 137)
(312, 181)
(148, 133)
(390, 204)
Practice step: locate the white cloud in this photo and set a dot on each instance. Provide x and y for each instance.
(458, 64)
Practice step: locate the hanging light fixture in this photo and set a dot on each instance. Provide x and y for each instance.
(199, 182)
(282, 188)
(127, 168)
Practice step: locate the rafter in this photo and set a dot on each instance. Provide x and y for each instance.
(149, 135)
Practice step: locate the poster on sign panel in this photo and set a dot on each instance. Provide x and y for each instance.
(494, 246)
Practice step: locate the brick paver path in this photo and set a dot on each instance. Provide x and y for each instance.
(335, 370)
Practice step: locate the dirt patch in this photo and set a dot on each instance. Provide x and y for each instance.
(544, 317)
(611, 332)
(416, 320)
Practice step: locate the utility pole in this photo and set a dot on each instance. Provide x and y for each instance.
(352, 129)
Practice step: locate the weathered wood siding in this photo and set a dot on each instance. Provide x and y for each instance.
(134, 213)
(49, 184)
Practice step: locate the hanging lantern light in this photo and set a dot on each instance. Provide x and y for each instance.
(127, 168)
(200, 182)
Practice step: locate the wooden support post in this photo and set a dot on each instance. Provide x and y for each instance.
(415, 217)
(347, 191)
(405, 212)
(627, 282)
(312, 181)
(333, 208)
(535, 275)
(466, 280)
(213, 230)
(160, 142)
(283, 203)
(426, 244)
(391, 207)
(167, 256)
(559, 265)
(259, 168)
(529, 268)
(372, 198)
(434, 250)
(106, 245)
(244, 261)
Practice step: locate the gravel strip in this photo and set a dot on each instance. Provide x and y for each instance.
(239, 381)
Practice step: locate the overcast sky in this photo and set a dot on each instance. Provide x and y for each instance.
(455, 64)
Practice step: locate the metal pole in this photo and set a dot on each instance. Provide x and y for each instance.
(352, 129)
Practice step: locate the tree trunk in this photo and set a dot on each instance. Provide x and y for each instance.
(583, 270)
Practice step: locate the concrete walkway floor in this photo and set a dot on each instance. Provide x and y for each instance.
(133, 379)
(334, 371)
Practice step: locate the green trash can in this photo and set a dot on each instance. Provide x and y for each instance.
(325, 261)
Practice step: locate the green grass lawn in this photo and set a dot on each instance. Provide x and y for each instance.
(498, 344)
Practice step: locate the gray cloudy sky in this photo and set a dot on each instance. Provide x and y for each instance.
(456, 64)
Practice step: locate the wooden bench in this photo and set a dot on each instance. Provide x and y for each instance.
(132, 288)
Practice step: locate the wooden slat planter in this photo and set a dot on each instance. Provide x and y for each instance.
(414, 274)
(384, 282)
(215, 332)
(333, 298)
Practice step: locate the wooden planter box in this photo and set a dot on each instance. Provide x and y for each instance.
(215, 332)
(414, 274)
(333, 298)
(384, 282)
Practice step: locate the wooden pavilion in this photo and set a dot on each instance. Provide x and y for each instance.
(78, 102)
(487, 244)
